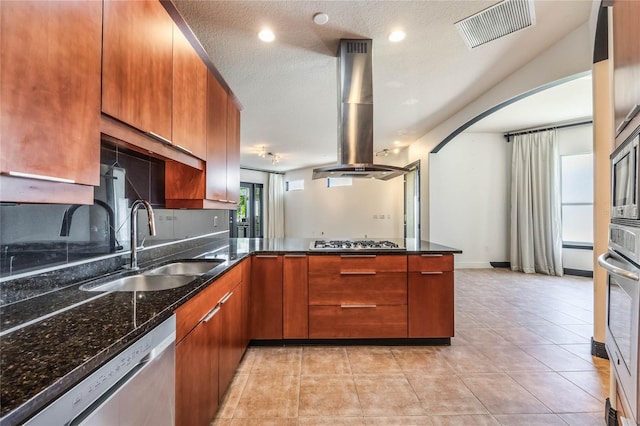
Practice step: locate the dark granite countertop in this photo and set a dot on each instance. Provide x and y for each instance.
(54, 336)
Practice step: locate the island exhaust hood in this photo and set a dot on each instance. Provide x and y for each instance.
(355, 110)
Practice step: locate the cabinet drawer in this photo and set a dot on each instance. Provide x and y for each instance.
(389, 288)
(356, 262)
(189, 314)
(431, 262)
(351, 321)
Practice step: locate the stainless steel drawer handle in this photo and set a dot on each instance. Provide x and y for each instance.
(431, 272)
(225, 298)
(211, 314)
(295, 255)
(160, 138)
(357, 272)
(41, 177)
(602, 261)
(346, 256)
(357, 306)
(267, 256)
(432, 255)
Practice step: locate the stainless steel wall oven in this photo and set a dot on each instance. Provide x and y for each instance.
(622, 263)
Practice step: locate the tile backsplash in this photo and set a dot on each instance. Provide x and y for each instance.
(37, 236)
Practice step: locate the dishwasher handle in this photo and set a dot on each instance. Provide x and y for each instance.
(613, 269)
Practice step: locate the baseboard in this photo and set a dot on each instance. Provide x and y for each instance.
(599, 349)
(427, 341)
(578, 272)
(610, 414)
(567, 271)
(472, 265)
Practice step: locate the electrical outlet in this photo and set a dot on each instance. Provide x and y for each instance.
(375, 216)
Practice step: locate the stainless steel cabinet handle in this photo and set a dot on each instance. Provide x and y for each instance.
(183, 149)
(357, 255)
(225, 298)
(160, 138)
(357, 272)
(632, 113)
(431, 272)
(295, 255)
(432, 255)
(602, 261)
(40, 177)
(267, 256)
(357, 306)
(211, 314)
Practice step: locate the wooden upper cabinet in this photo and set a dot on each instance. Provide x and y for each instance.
(50, 95)
(189, 128)
(216, 174)
(233, 152)
(137, 65)
(626, 61)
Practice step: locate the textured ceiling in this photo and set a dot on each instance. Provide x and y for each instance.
(288, 87)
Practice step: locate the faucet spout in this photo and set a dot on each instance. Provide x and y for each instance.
(134, 228)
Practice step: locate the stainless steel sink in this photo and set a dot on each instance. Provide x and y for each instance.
(185, 268)
(141, 282)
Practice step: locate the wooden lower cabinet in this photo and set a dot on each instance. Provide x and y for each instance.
(357, 296)
(231, 337)
(266, 297)
(357, 321)
(210, 345)
(431, 296)
(295, 304)
(197, 368)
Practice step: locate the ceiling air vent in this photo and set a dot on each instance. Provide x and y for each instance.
(496, 21)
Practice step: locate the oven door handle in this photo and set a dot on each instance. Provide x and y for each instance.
(602, 261)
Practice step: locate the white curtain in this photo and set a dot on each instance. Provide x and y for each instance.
(536, 227)
(275, 206)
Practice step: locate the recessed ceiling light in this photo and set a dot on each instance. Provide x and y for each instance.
(396, 143)
(266, 35)
(397, 36)
(320, 18)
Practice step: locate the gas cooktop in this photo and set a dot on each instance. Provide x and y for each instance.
(354, 245)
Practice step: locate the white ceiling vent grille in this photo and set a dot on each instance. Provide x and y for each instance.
(496, 21)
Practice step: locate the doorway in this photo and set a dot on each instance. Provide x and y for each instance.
(412, 201)
(249, 221)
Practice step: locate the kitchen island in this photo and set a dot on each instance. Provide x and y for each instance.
(53, 338)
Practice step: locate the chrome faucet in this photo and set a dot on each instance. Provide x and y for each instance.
(134, 228)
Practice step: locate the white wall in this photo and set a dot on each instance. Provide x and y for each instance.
(470, 192)
(370, 208)
(468, 198)
(568, 57)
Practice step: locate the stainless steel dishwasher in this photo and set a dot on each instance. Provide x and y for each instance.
(136, 387)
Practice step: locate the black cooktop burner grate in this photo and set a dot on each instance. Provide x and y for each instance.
(355, 245)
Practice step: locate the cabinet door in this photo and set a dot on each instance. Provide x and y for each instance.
(431, 309)
(189, 128)
(295, 297)
(137, 63)
(246, 302)
(216, 184)
(233, 152)
(197, 375)
(230, 337)
(626, 60)
(50, 90)
(266, 297)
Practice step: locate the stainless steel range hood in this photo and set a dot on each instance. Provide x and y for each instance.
(355, 109)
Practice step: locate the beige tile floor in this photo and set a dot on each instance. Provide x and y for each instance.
(521, 356)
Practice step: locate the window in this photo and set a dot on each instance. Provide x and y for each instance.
(577, 198)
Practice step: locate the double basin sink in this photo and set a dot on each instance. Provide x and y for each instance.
(171, 275)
